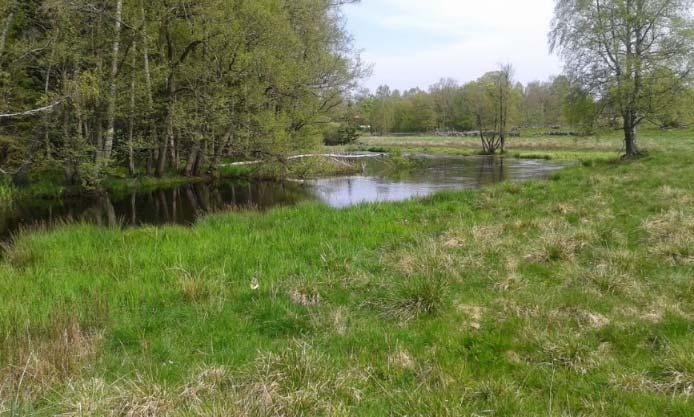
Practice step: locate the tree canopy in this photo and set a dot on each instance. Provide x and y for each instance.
(163, 85)
(635, 55)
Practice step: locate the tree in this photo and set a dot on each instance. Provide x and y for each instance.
(621, 50)
(444, 95)
(492, 103)
(382, 111)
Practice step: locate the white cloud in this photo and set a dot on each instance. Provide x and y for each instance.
(414, 42)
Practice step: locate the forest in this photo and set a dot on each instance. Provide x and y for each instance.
(93, 88)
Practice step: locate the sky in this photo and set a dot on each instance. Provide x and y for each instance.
(414, 43)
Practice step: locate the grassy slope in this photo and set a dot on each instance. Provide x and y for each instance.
(568, 297)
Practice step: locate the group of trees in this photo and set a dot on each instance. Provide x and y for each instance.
(492, 101)
(152, 86)
(558, 103)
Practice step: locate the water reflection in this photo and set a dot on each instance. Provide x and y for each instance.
(177, 205)
(185, 204)
(437, 174)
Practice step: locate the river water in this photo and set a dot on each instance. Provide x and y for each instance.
(185, 204)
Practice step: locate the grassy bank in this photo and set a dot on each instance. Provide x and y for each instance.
(561, 298)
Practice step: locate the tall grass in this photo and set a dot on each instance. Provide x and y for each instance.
(7, 193)
(566, 297)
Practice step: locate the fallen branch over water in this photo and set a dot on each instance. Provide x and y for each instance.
(312, 155)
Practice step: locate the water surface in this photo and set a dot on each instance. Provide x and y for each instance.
(185, 204)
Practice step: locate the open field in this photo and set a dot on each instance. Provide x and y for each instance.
(571, 297)
(605, 146)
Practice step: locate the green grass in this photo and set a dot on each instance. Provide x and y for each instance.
(604, 146)
(7, 193)
(569, 297)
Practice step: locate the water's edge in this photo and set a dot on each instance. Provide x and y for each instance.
(184, 204)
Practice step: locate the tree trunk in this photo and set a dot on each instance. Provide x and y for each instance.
(5, 30)
(163, 148)
(221, 147)
(192, 158)
(630, 136)
(46, 117)
(200, 161)
(111, 111)
(145, 54)
(131, 122)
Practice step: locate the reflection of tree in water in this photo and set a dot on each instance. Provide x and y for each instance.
(102, 213)
(185, 204)
(492, 170)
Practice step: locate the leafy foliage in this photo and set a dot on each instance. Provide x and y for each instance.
(194, 81)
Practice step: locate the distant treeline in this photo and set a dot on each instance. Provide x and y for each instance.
(556, 105)
(90, 88)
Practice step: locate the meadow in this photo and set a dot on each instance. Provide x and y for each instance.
(567, 297)
(604, 146)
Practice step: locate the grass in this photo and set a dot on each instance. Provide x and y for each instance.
(570, 297)
(604, 147)
(7, 192)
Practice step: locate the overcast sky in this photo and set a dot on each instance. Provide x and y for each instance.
(414, 43)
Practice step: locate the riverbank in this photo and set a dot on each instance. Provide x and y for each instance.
(47, 187)
(566, 297)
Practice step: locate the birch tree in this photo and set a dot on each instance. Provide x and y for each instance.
(634, 54)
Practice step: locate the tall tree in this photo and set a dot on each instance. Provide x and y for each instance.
(105, 153)
(622, 49)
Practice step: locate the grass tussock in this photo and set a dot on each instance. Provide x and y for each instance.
(560, 241)
(671, 235)
(413, 298)
(34, 364)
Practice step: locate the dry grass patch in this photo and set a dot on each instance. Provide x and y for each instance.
(36, 364)
(305, 297)
(511, 280)
(298, 381)
(675, 376)
(401, 359)
(425, 258)
(97, 398)
(474, 315)
(671, 236)
(571, 351)
(675, 196)
(560, 241)
(610, 273)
